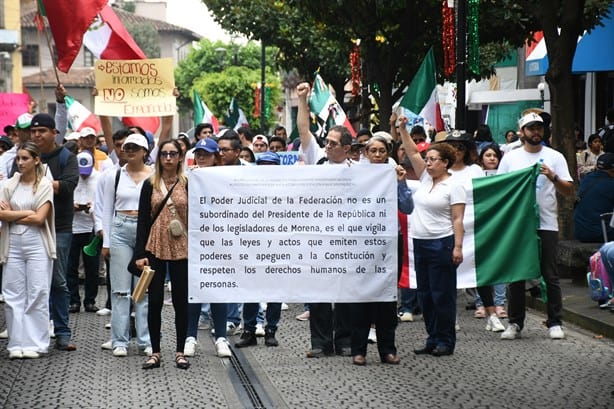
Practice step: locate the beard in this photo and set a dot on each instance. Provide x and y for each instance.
(532, 141)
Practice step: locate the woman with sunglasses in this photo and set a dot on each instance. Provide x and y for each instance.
(382, 314)
(164, 200)
(120, 213)
(437, 233)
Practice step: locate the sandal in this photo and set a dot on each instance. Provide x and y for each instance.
(500, 310)
(480, 312)
(181, 362)
(152, 362)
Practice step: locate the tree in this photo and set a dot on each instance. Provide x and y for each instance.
(146, 37)
(210, 69)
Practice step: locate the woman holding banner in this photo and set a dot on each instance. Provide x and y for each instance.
(437, 233)
(383, 314)
(162, 243)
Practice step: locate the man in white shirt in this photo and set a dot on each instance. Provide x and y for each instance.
(554, 177)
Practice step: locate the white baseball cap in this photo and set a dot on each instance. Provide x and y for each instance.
(530, 119)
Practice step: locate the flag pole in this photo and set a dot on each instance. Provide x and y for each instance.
(55, 69)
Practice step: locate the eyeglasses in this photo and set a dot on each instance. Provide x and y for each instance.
(226, 150)
(431, 160)
(131, 147)
(375, 151)
(169, 154)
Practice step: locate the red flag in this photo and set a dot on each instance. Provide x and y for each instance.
(108, 39)
(149, 123)
(68, 21)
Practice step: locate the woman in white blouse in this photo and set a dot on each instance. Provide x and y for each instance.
(27, 248)
(120, 214)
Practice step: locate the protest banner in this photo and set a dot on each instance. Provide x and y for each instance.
(11, 106)
(285, 158)
(307, 234)
(135, 88)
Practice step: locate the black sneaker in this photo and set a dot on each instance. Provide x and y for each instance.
(269, 338)
(247, 339)
(73, 308)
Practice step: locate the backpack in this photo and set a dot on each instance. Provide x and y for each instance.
(599, 284)
(607, 138)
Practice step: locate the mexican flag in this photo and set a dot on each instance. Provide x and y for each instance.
(323, 104)
(501, 220)
(202, 113)
(68, 21)
(108, 39)
(235, 118)
(419, 104)
(79, 116)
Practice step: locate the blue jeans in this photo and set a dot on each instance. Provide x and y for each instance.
(436, 277)
(59, 298)
(409, 301)
(607, 256)
(499, 290)
(234, 313)
(123, 237)
(218, 316)
(250, 315)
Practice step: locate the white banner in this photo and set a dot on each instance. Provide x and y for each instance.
(307, 234)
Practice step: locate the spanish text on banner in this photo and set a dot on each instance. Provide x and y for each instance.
(135, 87)
(307, 234)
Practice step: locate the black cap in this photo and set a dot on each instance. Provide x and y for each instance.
(43, 119)
(605, 161)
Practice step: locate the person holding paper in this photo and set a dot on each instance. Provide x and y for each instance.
(383, 314)
(164, 201)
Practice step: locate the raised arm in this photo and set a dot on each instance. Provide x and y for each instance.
(410, 147)
(302, 116)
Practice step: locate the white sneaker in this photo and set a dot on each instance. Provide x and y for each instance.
(511, 332)
(51, 329)
(147, 351)
(259, 330)
(107, 345)
(231, 329)
(556, 332)
(284, 306)
(222, 349)
(15, 354)
(103, 312)
(189, 349)
(120, 351)
(494, 324)
(372, 339)
(4, 334)
(30, 354)
(107, 325)
(406, 317)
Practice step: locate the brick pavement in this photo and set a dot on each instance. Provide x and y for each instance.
(484, 372)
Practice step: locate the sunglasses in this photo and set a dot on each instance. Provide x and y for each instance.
(169, 154)
(131, 147)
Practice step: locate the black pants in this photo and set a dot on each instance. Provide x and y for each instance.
(179, 292)
(90, 265)
(486, 295)
(384, 315)
(330, 326)
(517, 300)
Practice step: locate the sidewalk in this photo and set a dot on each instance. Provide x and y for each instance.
(579, 309)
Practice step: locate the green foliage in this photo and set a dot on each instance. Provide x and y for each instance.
(146, 36)
(213, 73)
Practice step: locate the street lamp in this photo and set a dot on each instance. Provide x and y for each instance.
(220, 55)
(6, 67)
(541, 87)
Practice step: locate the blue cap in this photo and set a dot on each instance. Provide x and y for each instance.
(268, 156)
(208, 145)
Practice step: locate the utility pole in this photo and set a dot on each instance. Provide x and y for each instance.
(461, 62)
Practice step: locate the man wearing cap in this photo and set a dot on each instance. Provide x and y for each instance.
(7, 161)
(62, 166)
(5, 144)
(260, 144)
(596, 194)
(83, 232)
(329, 324)
(554, 178)
(87, 142)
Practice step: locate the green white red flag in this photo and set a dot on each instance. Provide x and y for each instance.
(324, 105)
(79, 116)
(202, 113)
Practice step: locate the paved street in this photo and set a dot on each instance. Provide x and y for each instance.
(484, 372)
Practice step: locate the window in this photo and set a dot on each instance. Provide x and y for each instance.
(88, 58)
(29, 55)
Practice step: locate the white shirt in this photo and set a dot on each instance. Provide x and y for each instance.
(126, 198)
(546, 195)
(314, 152)
(432, 215)
(85, 193)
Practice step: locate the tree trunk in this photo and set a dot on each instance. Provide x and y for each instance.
(561, 49)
